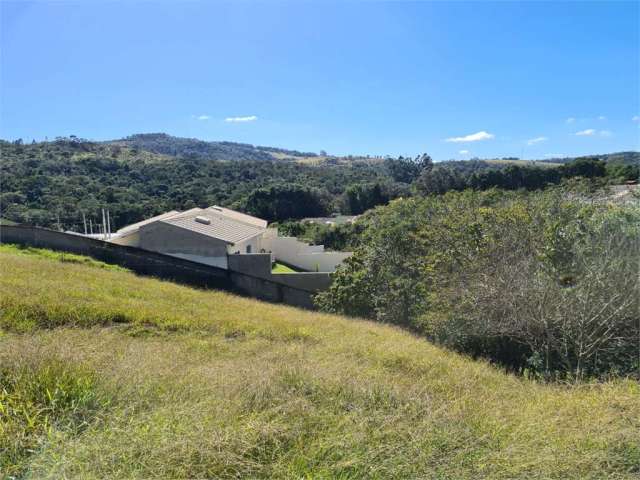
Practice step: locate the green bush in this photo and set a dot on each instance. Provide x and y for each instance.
(541, 282)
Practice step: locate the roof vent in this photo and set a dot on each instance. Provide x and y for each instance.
(203, 220)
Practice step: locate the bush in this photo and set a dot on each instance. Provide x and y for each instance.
(537, 282)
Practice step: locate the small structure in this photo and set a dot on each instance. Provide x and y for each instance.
(210, 235)
(332, 221)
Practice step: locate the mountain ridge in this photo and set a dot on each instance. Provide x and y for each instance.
(189, 147)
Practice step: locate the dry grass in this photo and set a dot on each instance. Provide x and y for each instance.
(174, 382)
(523, 163)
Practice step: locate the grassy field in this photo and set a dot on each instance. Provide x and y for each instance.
(282, 268)
(104, 374)
(523, 163)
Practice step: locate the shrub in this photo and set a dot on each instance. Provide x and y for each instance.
(534, 281)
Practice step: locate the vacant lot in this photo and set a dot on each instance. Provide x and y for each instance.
(104, 374)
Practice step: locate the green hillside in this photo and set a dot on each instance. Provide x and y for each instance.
(104, 374)
(54, 183)
(191, 147)
(617, 158)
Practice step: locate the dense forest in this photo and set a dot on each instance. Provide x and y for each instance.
(54, 183)
(476, 175)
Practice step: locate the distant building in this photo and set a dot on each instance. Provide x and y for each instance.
(210, 235)
(335, 219)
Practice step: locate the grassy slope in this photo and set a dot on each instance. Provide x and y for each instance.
(144, 378)
(282, 268)
(523, 163)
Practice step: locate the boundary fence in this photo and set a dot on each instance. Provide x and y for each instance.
(165, 267)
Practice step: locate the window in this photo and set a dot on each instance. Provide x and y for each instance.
(248, 248)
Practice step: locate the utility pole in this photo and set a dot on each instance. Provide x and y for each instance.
(104, 226)
(84, 222)
(58, 221)
(108, 225)
(90, 226)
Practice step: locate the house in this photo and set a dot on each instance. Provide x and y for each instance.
(210, 235)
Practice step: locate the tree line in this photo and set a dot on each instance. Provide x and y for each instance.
(53, 183)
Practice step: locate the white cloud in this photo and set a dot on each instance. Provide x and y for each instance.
(250, 118)
(463, 152)
(590, 132)
(602, 117)
(570, 120)
(635, 118)
(533, 141)
(586, 133)
(203, 117)
(473, 137)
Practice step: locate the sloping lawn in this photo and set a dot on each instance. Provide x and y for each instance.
(104, 374)
(282, 268)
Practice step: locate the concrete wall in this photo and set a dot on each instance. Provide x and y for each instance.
(274, 288)
(309, 281)
(259, 265)
(135, 259)
(256, 264)
(299, 254)
(166, 238)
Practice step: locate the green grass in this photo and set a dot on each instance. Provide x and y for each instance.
(282, 268)
(104, 374)
(58, 256)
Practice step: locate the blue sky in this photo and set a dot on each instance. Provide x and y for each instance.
(453, 79)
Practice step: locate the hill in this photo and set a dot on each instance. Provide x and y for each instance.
(53, 183)
(105, 374)
(194, 148)
(165, 144)
(618, 158)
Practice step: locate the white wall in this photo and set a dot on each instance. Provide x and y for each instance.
(299, 254)
(241, 247)
(318, 262)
